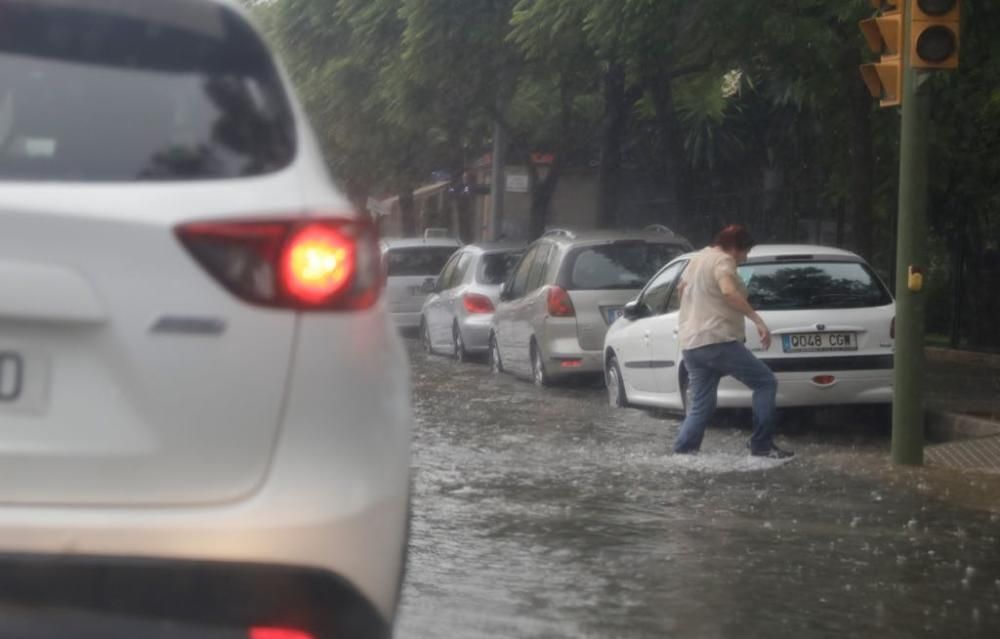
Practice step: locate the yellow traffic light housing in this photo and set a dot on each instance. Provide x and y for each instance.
(884, 35)
(934, 34)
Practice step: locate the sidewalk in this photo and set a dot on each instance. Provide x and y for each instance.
(963, 403)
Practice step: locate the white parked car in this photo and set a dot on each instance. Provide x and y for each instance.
(832, 320)
(458, 315)
(191, 323)
(411, 267)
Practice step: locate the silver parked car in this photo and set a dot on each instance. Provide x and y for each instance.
(411, 266)
(564, 293)
(457, 317)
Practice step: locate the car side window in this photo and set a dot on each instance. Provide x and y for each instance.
(519, 284)
(461, 268)
(674, 303)
(656, 297)
(538, 268)
(444, 280)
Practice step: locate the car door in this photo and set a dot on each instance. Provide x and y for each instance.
(507, 311)
(434, 309)
(635, 353)
(664, 346)
(450, 297)
(532, 313)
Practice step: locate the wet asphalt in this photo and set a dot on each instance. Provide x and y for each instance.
(547, 513)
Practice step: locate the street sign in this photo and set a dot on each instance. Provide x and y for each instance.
(517, 183)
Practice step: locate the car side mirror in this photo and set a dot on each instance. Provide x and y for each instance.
(429, 286)
(505, 293)
(633, 310)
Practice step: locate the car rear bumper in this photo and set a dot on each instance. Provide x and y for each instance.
(800, 389)
(335, 498)
(89, 596)
(476, 332)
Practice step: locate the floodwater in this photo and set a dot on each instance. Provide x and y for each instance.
(546, 513)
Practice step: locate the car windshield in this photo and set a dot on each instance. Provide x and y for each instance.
(495, 267)
(622, 265)
(103, 96)
(812, 286)
(421, 260)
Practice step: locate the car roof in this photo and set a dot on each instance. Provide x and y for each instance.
(567, 237)
(414, 242)
(768, 252)
(495, 247)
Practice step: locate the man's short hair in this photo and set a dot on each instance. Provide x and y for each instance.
(734, 237)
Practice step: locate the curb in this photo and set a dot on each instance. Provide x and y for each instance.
(944, 426)
(967, 358)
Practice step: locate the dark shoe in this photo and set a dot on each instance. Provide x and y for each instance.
(773, 453)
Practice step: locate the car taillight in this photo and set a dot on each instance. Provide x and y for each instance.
(277, 633)
(892, 328)
(321, 264)
(476, 304)
(560, 305)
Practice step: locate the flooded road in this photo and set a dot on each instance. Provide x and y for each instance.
(546, 513)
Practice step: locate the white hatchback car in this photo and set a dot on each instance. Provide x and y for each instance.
(832, 319)
(191, 323)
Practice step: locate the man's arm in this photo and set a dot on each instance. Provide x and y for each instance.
(733, 295)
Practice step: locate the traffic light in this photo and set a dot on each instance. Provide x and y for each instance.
(934, 34)
(884, 34)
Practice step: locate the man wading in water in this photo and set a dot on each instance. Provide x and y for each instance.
(712, 333)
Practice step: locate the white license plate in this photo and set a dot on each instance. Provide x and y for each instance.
(614, 314)
(815, 342)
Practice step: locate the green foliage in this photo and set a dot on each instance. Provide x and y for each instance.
(749, 109)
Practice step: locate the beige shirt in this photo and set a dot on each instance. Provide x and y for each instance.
(705, 317)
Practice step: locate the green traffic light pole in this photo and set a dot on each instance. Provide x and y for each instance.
(911, 253)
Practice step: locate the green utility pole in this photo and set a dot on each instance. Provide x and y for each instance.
(911, 256)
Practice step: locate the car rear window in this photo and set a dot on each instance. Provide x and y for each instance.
(495, 268)
(622, 265)
(419, 260)
(113, 91)
(813, 286)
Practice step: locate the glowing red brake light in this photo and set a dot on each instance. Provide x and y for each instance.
(476, 304)
(318, 263)
(277, 633)
(560, 304)
(323, 264)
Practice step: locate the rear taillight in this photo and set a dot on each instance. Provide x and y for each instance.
(277, 633)
(322, 264)
(560, 305)
(477, 304)
(892, 328)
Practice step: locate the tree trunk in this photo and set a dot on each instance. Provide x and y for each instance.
(407, 211)
(542, 192)
(673, 158)
(612, 133)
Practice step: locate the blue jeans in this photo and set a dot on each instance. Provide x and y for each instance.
(709, 364)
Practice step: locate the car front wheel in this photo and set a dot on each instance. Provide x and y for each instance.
(425, 337)
(541, 377)
(615, 384)
(496, 365)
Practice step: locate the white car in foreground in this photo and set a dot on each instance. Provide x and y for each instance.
(832, 319)
(191, 326)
